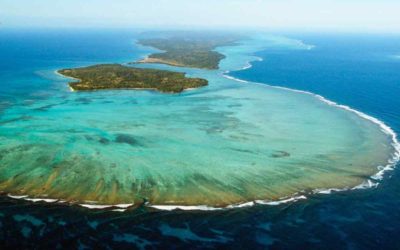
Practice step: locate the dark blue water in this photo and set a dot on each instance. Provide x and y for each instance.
(26, 54)
(360, 71)
(357, 70)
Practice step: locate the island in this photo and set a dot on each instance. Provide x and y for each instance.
(194, 51)
(229, 145)
(117, 76)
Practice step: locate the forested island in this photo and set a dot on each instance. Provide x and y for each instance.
(116, 76)
(194, 50)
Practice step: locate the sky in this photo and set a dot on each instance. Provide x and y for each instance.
(345, 15)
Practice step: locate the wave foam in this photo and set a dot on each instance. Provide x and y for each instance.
(17, 196)
(240, 205)
(41, 199)
(328, 190)
(173, 207)
(118, 207)
(373, 180)
(283, 201)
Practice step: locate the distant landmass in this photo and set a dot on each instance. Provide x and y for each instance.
(116, 76)
(195, 51)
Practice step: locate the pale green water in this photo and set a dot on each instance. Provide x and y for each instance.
(227, 143)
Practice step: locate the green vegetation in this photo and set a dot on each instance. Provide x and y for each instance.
(184, 49)
(191, 50)
(116, 76)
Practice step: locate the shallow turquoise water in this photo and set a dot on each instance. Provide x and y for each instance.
(227, 143)
(356, 70)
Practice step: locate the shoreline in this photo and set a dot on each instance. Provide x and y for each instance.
(124, 77)
(378, 176)
(371, 182)
(158, 61)
(149, 60)
(69, 86)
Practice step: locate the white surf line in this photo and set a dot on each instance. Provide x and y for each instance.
(103, 206)
(26, 197)
(279, 202)
(94, 206)
(328, 190)
(233, 206)
(70, 77)
(241, 205)
(366, 184)
(369, 183)
(90, 204)
(119, 210)
(248, 63)
(17, 196)
(374, 179)
(173, 207)
(41, 199)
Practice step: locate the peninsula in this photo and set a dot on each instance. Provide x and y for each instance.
(194, 51)
(116, 76)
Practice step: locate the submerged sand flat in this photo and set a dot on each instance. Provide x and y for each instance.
(227, 143)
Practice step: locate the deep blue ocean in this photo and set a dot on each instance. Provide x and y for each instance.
(361, 71)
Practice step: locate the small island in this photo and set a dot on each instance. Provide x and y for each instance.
(116, 76)
(194, 51)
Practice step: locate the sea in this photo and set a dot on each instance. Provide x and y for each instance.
(361, 72)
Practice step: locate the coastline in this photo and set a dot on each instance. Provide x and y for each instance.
(372, 182)
(157, 60)
(376, 178)
(150, 60)
(118, 76)
(70, 77)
